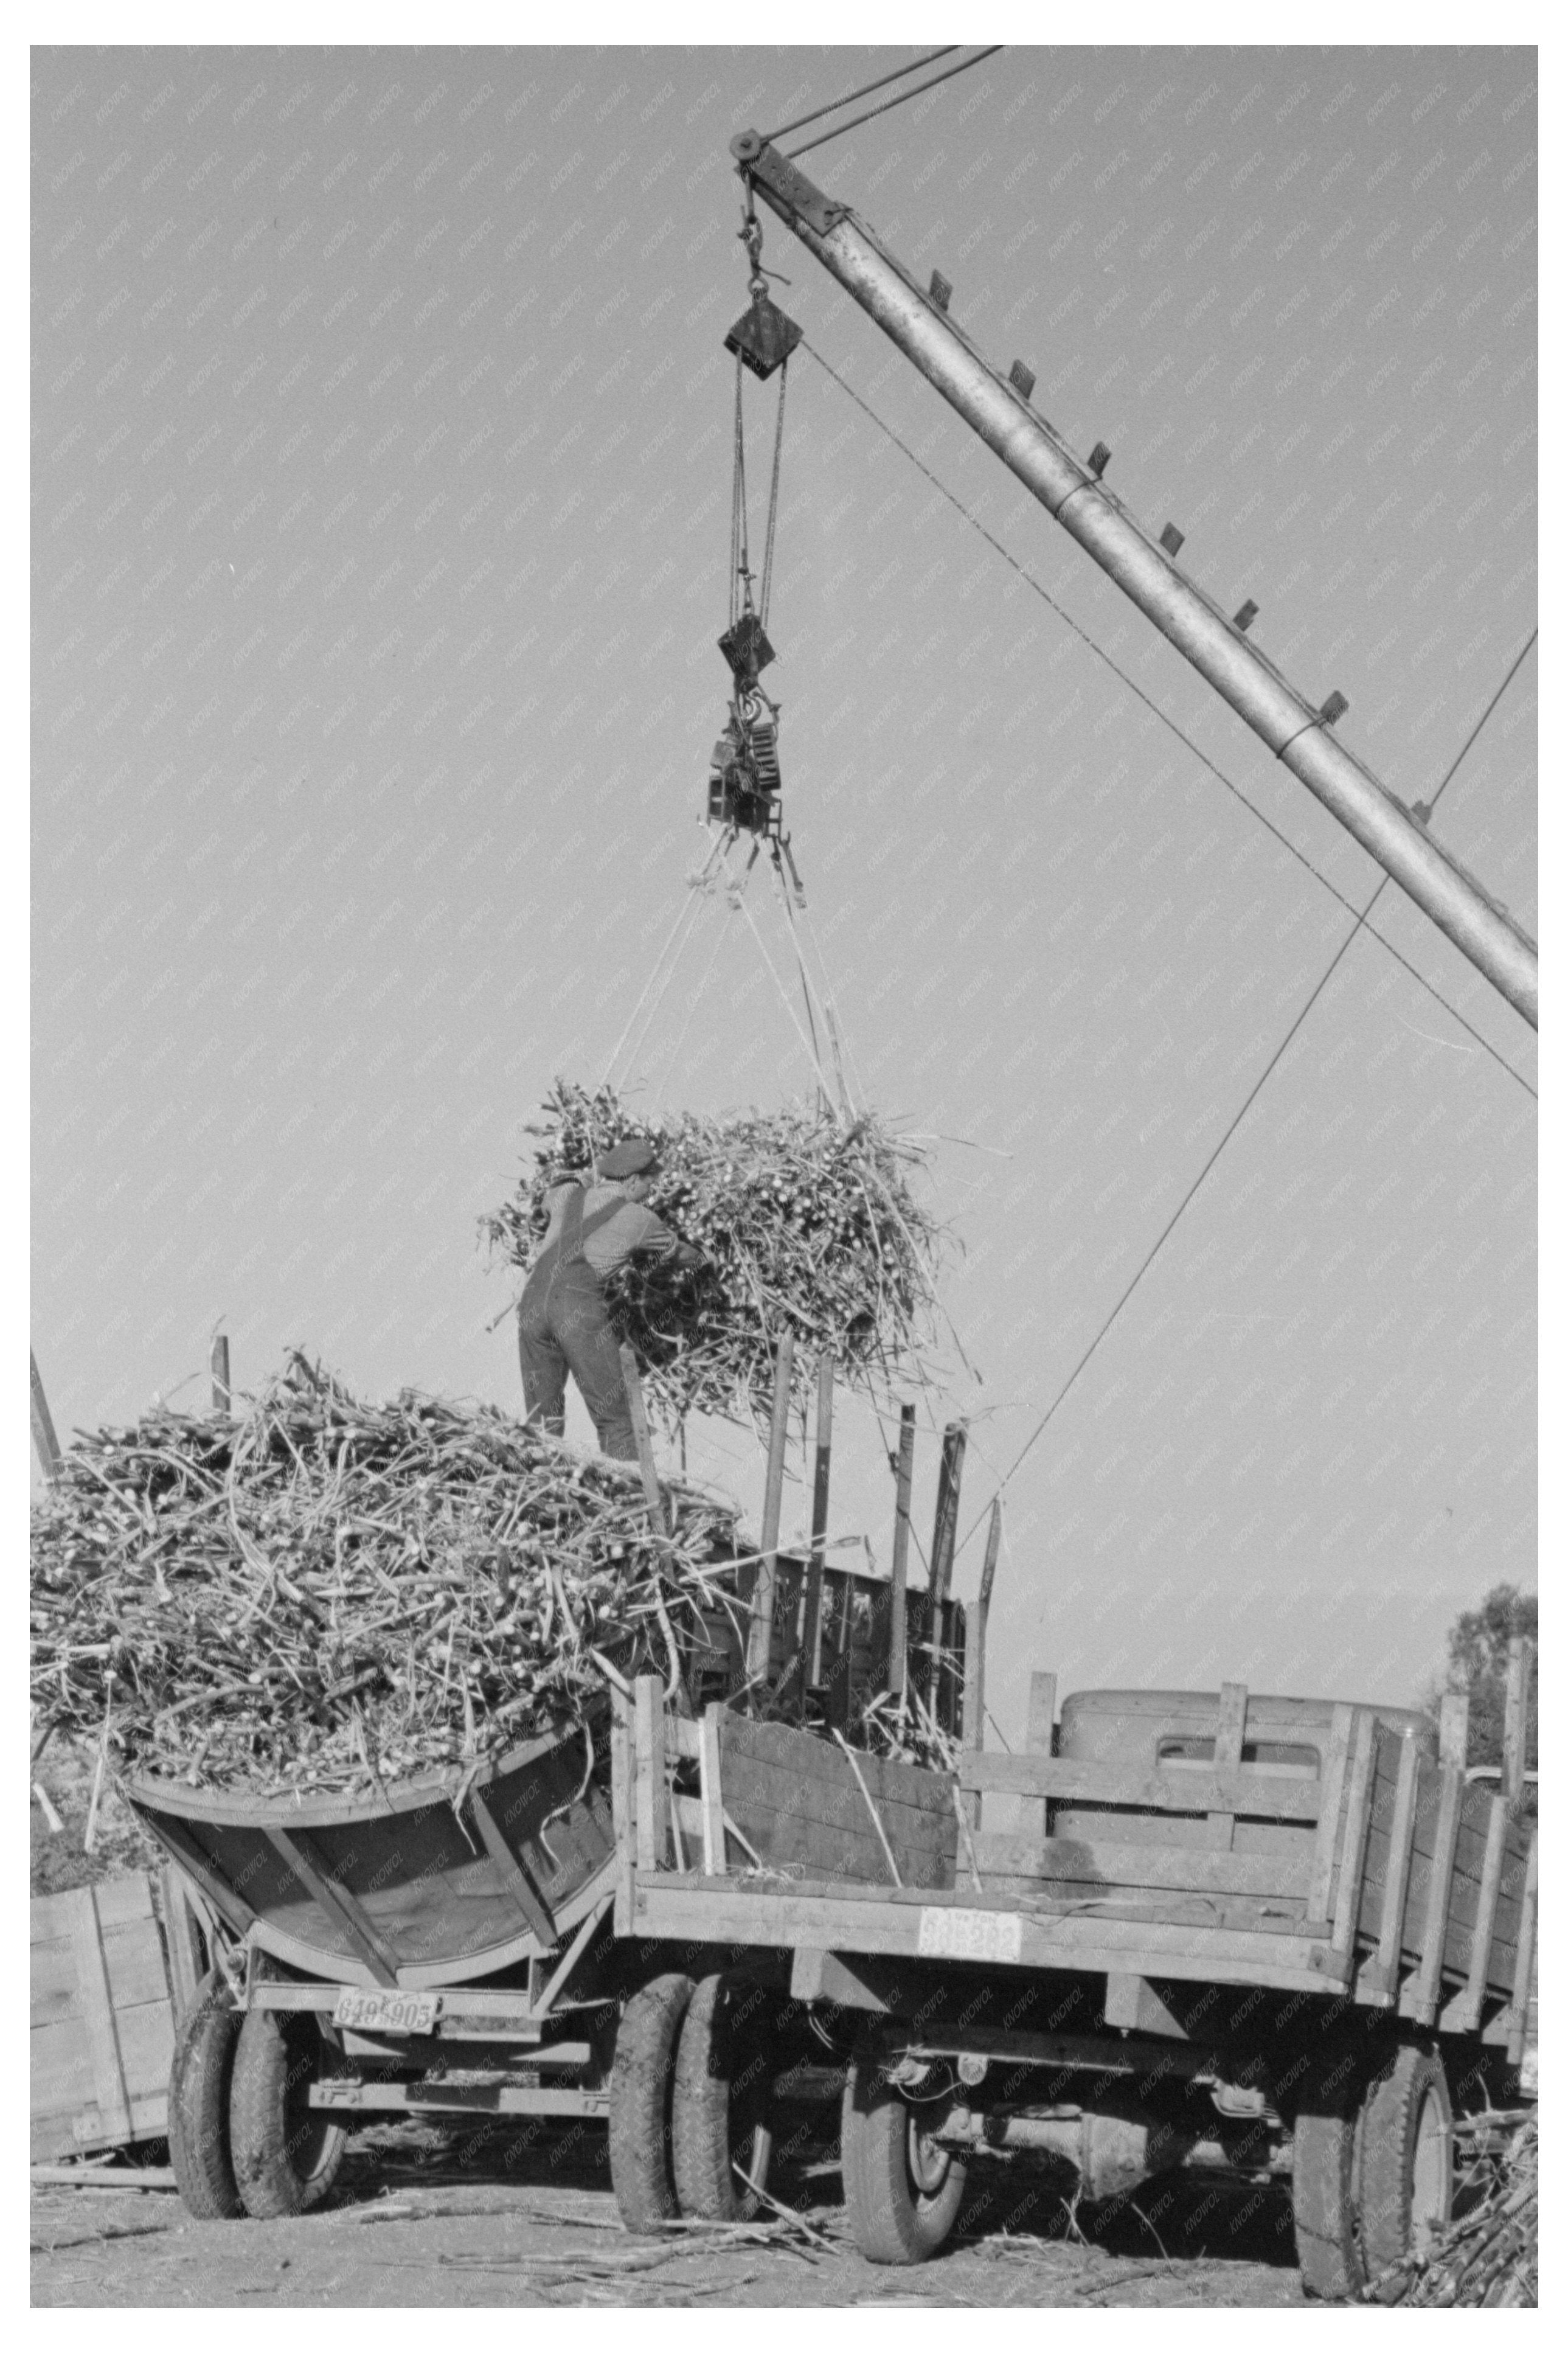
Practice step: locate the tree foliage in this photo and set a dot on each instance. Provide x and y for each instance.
(1478, 1665)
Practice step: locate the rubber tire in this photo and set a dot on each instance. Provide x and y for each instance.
(286, 2153)
(1411, 2084)
(893, 2219)
(723, 2100)
(1324, 2187)
(642, 2094)
(199, 2079)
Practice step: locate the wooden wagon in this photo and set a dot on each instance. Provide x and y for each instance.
(445, 1947)
(1267, 1935)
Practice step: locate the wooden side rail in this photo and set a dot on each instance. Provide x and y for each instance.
(1274, 1793)
(1109, 1866)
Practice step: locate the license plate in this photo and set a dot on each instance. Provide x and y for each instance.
(387, 2013)
(948, 1934)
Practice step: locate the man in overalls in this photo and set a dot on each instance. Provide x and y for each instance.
(563, 1324)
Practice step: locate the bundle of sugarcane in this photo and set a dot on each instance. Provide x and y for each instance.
(325, 1594)
(1491, 2255)
(807, 1225)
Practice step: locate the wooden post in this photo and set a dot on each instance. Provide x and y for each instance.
(1515, 1717)
(944, 1532)
(714, 1852)
(1429, 1989)
(1454, 1729)
(1039, 1739)
(1229, 1732)
(46, 1445)
(975, 1654)
(1379, 1979)
(898, 1599)
(760, 1640)
(222, 1394)
(651, 1809)
(811, 1632)
(1463, 2014)
(1358, 1820)
(183, 1938)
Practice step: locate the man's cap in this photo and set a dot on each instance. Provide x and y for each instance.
(633, 1159)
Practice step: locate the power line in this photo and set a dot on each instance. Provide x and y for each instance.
(889, 103)
(865, 90)
(1272, 1064)
(1182, 737)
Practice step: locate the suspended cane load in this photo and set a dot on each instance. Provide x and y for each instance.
(327, 1595)
(807, 1223)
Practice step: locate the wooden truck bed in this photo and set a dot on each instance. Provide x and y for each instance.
(1385, 1877)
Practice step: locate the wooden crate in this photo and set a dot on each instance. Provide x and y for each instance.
(102, 2019)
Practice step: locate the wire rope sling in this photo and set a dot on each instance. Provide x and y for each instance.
(744, 783)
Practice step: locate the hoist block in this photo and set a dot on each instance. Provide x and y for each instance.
(764, 339)
(744, 646)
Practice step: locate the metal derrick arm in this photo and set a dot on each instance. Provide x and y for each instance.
(1296, 732)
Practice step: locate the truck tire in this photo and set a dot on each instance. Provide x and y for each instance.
(1407, 2159)
(903, 2193)
(199, 2079)
(723, 2102)
(286, 2153)
(642, 2088)
(1324, 2186)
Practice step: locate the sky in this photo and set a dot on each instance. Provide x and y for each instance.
(381, 443)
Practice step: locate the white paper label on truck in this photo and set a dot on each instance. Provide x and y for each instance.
(950, 1935)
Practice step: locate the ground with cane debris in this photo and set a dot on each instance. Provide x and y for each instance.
(420, 2218)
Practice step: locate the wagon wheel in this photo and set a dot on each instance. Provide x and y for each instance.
(286, 2153)
(199, 2079)
(902, 2189)
(642, 2087)
(723, 2102)
(1407, 2159)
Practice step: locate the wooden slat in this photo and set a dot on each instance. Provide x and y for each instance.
(714, 1858)
(1230, 1731)
(1428, 1984)
(623, 1799)
(1109, 1864)
(898, 1611)
(1524, 1959)
(109, 2088)
(525, 1894)
(336, 1901)
(1516, 1692)
(945, 1528)
(760, 1636)
(1358, 1817)
(226, 1901)
(183, 1938)
(652, 1795)
(1463, 2014)
(1335, 1764)
(1248, 1791)
(811, 1629)
(887, 1920)
(1380, 1975)
(1039, 1737)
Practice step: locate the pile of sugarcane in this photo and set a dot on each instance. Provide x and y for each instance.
(807, 1225)
(324, 1595)
(1491, 2255)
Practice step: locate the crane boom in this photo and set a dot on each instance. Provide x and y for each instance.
(998, 410)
